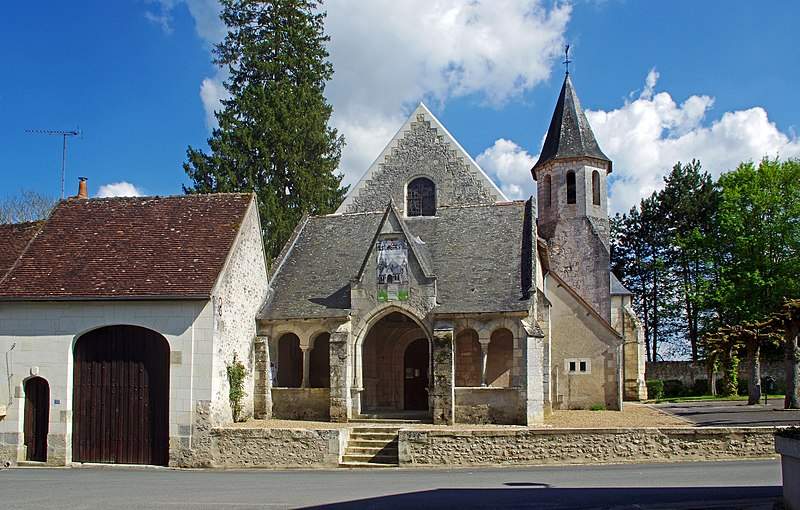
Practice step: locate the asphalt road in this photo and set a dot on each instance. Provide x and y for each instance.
(733, 413)
(737, 484)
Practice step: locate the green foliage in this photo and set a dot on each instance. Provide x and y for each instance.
(730, 375)
(700, 254)
(674, 388)
(759, 239)
(236, 375)
(273, 136)
(655, 389)
(598, 407)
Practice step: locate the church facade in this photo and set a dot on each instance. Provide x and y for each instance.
(429, 294)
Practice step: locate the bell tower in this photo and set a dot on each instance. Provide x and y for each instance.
(573, 202)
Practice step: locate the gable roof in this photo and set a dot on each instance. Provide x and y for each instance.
(423, 112)
(418, 250)
(16, 237)
(569, 134)
(474, 251)
(129, 248)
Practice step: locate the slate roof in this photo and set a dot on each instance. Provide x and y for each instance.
(128, 248)
(569, 135)
(476, 253)
(15, 237)
(617, 288)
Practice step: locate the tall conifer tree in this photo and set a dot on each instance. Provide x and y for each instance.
(273, 136)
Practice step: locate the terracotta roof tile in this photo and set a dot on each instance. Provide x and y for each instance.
(129, 248)
(14, 237)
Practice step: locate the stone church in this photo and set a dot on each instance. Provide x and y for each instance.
(430, 294)
(427, 296)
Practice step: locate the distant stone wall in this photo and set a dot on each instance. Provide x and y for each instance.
(687, 372)
(581, 446)
(277, 448)
(301, 403)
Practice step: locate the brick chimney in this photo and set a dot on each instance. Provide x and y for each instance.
(82, 190)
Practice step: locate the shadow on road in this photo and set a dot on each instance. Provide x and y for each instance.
(764, 497)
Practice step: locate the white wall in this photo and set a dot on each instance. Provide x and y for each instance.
(43, 336)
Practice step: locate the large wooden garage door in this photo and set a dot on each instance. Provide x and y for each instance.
(121, 400)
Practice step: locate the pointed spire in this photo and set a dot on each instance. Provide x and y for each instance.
(569, 135)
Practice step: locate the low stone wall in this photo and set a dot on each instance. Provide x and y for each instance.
(8, 448)
(277, 448)
(487, 405)
(687, 372)
(301, 403)
(580, 446)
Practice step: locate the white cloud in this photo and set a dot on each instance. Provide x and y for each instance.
(647, 136)
(509, 165)
(212, 92)
(118, 189)
(388, 55)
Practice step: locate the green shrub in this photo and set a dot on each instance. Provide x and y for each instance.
(700, 388)
(655, 389)
(236, 374)
(742, 387)
(674, 388)
(598, 407)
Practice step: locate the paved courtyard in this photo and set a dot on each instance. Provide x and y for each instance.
(733, 484)
(732, 413)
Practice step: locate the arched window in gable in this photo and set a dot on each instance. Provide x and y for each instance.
(421, 197)
(548, 190)
(570, 187)
(596, 187)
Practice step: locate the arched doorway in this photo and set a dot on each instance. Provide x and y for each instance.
(395, 366)
(37, 418)
(415, 376)
(121, 397)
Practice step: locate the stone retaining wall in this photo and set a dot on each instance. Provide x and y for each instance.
(488, 405)
(301, 403)
(580, 446)
(277, 448)
(690, 371)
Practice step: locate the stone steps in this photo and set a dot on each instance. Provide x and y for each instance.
(371, 447)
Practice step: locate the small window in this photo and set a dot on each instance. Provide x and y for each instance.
(578, 366)
(421, 197)
(596, 187)
(548, 189)
(570, 187)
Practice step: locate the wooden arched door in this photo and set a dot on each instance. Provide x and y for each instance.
(121, 400)
(37, 418)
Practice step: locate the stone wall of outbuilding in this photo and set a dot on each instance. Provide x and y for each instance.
(237, 297)
(277, 448)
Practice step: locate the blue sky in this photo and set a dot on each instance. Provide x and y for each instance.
(662, 82)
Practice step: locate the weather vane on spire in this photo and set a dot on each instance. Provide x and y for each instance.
(567, 61)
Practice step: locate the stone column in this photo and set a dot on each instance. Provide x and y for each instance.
(306, 366)
(262, 380)
(533, 373)
(443, 395)
(484, 342)
(341, 373)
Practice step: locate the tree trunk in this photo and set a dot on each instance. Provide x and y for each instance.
(754, 369)
(711, 376)
(792, 400)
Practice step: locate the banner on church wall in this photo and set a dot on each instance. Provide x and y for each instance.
(393, 277)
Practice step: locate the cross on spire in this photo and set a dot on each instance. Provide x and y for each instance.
(567, 61)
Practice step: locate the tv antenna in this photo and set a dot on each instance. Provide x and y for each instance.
(63, 135)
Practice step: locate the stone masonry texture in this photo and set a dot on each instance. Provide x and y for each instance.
(422, 151)
(580, 446)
